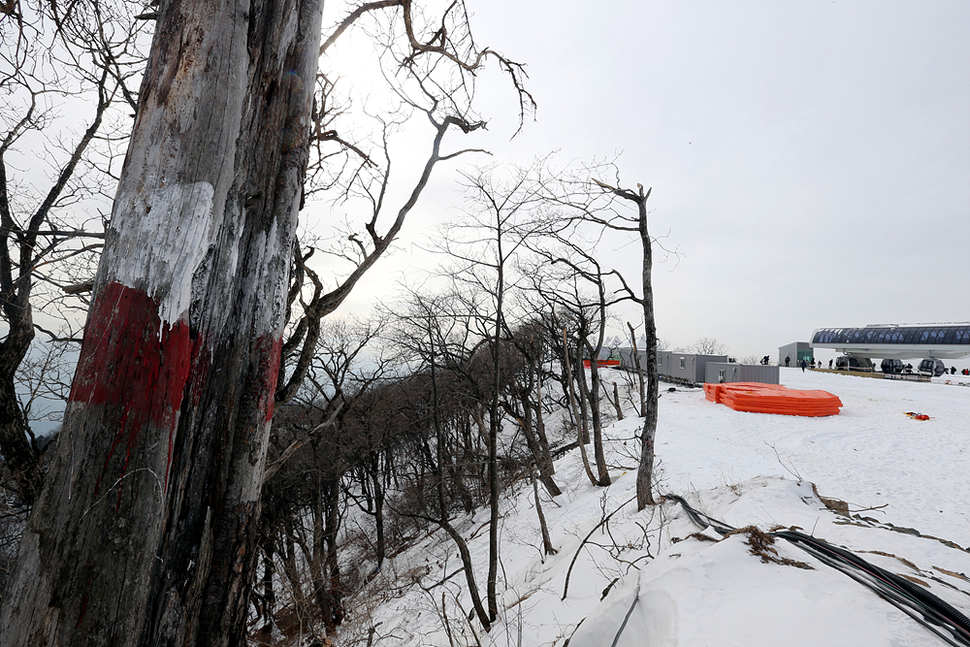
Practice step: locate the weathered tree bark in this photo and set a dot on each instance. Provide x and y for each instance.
(616, 402)
(641, 388)
(547, 547)
(144, 533)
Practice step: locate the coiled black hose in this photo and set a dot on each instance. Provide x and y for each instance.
(897, 589)
(936, 609)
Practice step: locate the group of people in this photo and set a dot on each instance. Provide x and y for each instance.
(818, 364)
(803, 364)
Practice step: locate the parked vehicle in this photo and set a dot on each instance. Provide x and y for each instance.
(850, 363)
(934, 367)
(892, 366)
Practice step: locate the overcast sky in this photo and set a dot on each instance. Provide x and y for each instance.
(810, 160)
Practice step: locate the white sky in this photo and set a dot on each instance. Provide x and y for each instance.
(810, 160)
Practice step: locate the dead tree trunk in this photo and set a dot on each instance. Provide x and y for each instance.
(324, 568)
(144, 533)
(649, 431)
(639, 370)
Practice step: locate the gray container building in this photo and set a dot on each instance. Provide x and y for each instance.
(686, 367)
(695, 369)
(796, 351)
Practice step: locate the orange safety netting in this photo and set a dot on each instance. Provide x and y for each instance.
(773, 398)
(602, 362)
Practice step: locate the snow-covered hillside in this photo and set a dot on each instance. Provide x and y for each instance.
(665, 582)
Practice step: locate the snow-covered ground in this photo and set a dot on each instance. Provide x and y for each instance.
(906, 483)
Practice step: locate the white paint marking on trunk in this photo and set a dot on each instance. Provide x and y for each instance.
(163, 241)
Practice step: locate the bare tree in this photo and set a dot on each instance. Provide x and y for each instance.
(440, 93)
(580, 419)
(482, 247)
(588, 200)
(638, 223)
(709, 346)
(567, 324)
(524, 401)
(64, 83)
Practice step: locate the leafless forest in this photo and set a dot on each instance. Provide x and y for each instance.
(231, 439)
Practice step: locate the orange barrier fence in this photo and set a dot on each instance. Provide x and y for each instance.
(773, 398)
(602, 362)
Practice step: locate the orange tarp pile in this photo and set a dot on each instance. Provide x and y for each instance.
(773, 398)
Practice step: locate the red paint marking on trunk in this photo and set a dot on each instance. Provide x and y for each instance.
(268, 350)
(202, 361)
(133, 366)
(87, 592)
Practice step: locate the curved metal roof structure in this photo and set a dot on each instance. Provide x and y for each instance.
(898, 341)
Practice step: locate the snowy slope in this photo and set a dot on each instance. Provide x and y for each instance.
(905, 482)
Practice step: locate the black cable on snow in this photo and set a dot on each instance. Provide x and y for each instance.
(921, 613)
(934, 609)
(700, 519)
(636, 598)
(932, 612)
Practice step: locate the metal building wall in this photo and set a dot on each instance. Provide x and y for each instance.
(695, 366)
(663, 360)
(759, 373)
(682, 366)
(701, 362)
(722, 372)
(740, 373)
